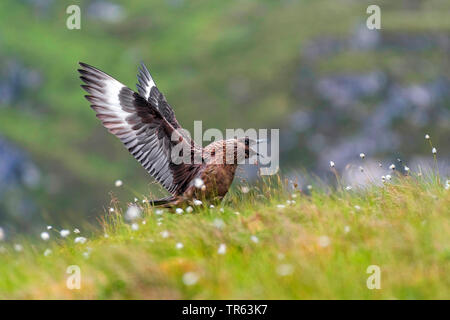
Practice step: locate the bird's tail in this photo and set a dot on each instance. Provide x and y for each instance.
(163, 201)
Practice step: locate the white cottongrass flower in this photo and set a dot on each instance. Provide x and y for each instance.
(427, 137)
(361, 169)
(45, 236)
(294, 195)
(111, 209)
(86, 254)
(18, 247)
(332, 164)
(380, 164)
(136, 199)
(309, 187)
(254, 239)
(285, 269)
(134, 226)
(47, 252)
(281, 206)
(197, 202)
(190, 278)
(133, 213)
(346, 229)
(2, 234)
(179, 211)
(211, 206)
(388, 177)
(64, 233)
(198, 183)
(383, 178)
(357, 207)
(222, 210)
(189, 209)
(76, 230)
(348, 188)
(406, 169)
(49, 227)
(118, 183)
(245, 189)
(203, 188)
(80, 240)
(323, 241)
(218, 223)
(179, 245)
(165, 234)
(237, 213)
(159, 211)
(222, 249)
(392, 167)
(362, 155)
(434, 150)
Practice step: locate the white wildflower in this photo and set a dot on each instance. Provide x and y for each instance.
(133, 213)
(197, 202)
(348, 188)
(64, 233)
(309, 187)
(111, 209)
(164, 234)
(211, 206)
(294, 195)
(388, 177)
(406, 169)
(357, 207)
(434, 151)
(362, 155)
(179, 211)
(134, 226)
(383, 178)
(159, 211)
(49, 227)
(2, 234)
(45, 236)
(245, 189)
(285, 269)
(189, 209)
(222, 210)
(281, 206)
(346, 229)
(332, 164)
(76, 230)
(118, 183)
(179, 245)
(427, 137)
(323, 241)
(254, 239)
(47, 252)
(136, 199)
(237, 213)
(80, 240)
(361, 169)
(222, 249)
(392, 167)
(198, 183)
(18, 247)
(190, 278)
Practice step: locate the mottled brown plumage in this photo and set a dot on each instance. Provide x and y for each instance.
(146, 125)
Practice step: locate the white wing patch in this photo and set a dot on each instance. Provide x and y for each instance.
(146, 82)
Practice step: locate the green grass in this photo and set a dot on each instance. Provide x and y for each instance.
(318, 247)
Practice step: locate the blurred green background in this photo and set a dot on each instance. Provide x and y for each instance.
(310, 68)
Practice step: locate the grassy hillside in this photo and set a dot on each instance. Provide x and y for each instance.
(229, 63)
(273, 242)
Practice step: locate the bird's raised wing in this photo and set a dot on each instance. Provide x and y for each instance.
(148, 89)
(141, 126)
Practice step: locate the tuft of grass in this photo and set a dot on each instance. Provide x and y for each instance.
(276, 242)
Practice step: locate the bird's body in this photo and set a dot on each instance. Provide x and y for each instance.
(146, 125)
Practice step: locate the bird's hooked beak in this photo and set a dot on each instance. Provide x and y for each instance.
(257, 142)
